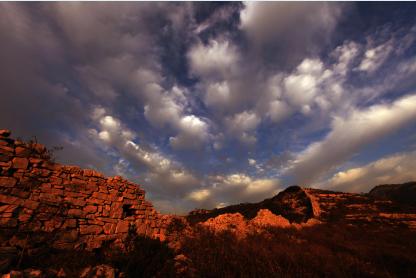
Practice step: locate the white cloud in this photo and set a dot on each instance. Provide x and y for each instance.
(218, 94)
(235, 188)
(216, 58)
(245, 121)
(301, 88)
(398, 168)
(194, 132)
(349, 134)
(279, 110)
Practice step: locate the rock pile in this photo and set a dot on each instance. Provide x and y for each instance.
(79, 207)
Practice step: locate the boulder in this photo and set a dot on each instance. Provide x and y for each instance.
(5, 133)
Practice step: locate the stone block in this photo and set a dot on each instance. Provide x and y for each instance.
(96, 222)
(55, 180)
(87, 172)
(69, 223)
(11, 200)
(129, 196)
(4, 158)
(116, 213)
(90, 209)
(5, 133)
(79, 213)
(122, 227)
(55, 222)
(41, 172)
(8, 222)
(138, 207)
(7, 182)
(48, 197)
(103, 196)
(109, 228)
(20, 163)
(23, 152)
(7, 164)
(142, 229)
(95, 201)
(97, 174)
(20, 193)
(76, 202)
(90, 229)
(73, 169)
(35, 160)
(106, 219)
(8, 208)
(24, 217)
(29, 204)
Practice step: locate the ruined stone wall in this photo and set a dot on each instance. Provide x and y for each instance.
(78, 207)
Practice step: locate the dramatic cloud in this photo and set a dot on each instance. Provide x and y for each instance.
(349, 134)
(211, 104)
(395, 169)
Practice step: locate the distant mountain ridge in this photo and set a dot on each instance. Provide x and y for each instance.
(404, 194)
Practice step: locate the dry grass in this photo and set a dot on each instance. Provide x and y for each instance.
(319, 251)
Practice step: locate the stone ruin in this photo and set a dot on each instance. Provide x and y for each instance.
(78, 207)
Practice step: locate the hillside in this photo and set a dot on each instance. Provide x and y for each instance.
(404, 194)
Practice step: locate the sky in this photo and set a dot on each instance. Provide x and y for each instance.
(209, 104)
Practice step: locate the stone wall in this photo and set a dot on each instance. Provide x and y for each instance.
(77, 208)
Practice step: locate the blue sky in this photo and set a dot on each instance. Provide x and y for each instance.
(207, 104)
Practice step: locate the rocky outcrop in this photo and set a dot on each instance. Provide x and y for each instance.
(66, 206)
(293, 204)
(404, 194)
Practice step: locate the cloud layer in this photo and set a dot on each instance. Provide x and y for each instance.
(210, 104)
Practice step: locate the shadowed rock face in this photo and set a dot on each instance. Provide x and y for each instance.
(404, 194)
(292, 203)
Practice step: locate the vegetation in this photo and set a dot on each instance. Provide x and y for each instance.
(31, 144)
(319, 251)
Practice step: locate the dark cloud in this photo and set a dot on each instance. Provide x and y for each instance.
(207, 104)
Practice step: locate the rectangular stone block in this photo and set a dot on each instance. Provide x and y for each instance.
(95, 201)
(77, 213)
(109, 228)
(4, 158)
(103, 196)
(129, 196)
(106, 219)
(138, 207)
(131, 202)
(96, 222)
(48, 197)
(20, 193)
(90, 229)
(35, 160)
(11, 200)
(122, 227)
(30, 204)
(91, 209)
(55, 180)
(20, 163)
(7, 182)
(5, 164)
(8, 208)
(97, 174)
(76, 202)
